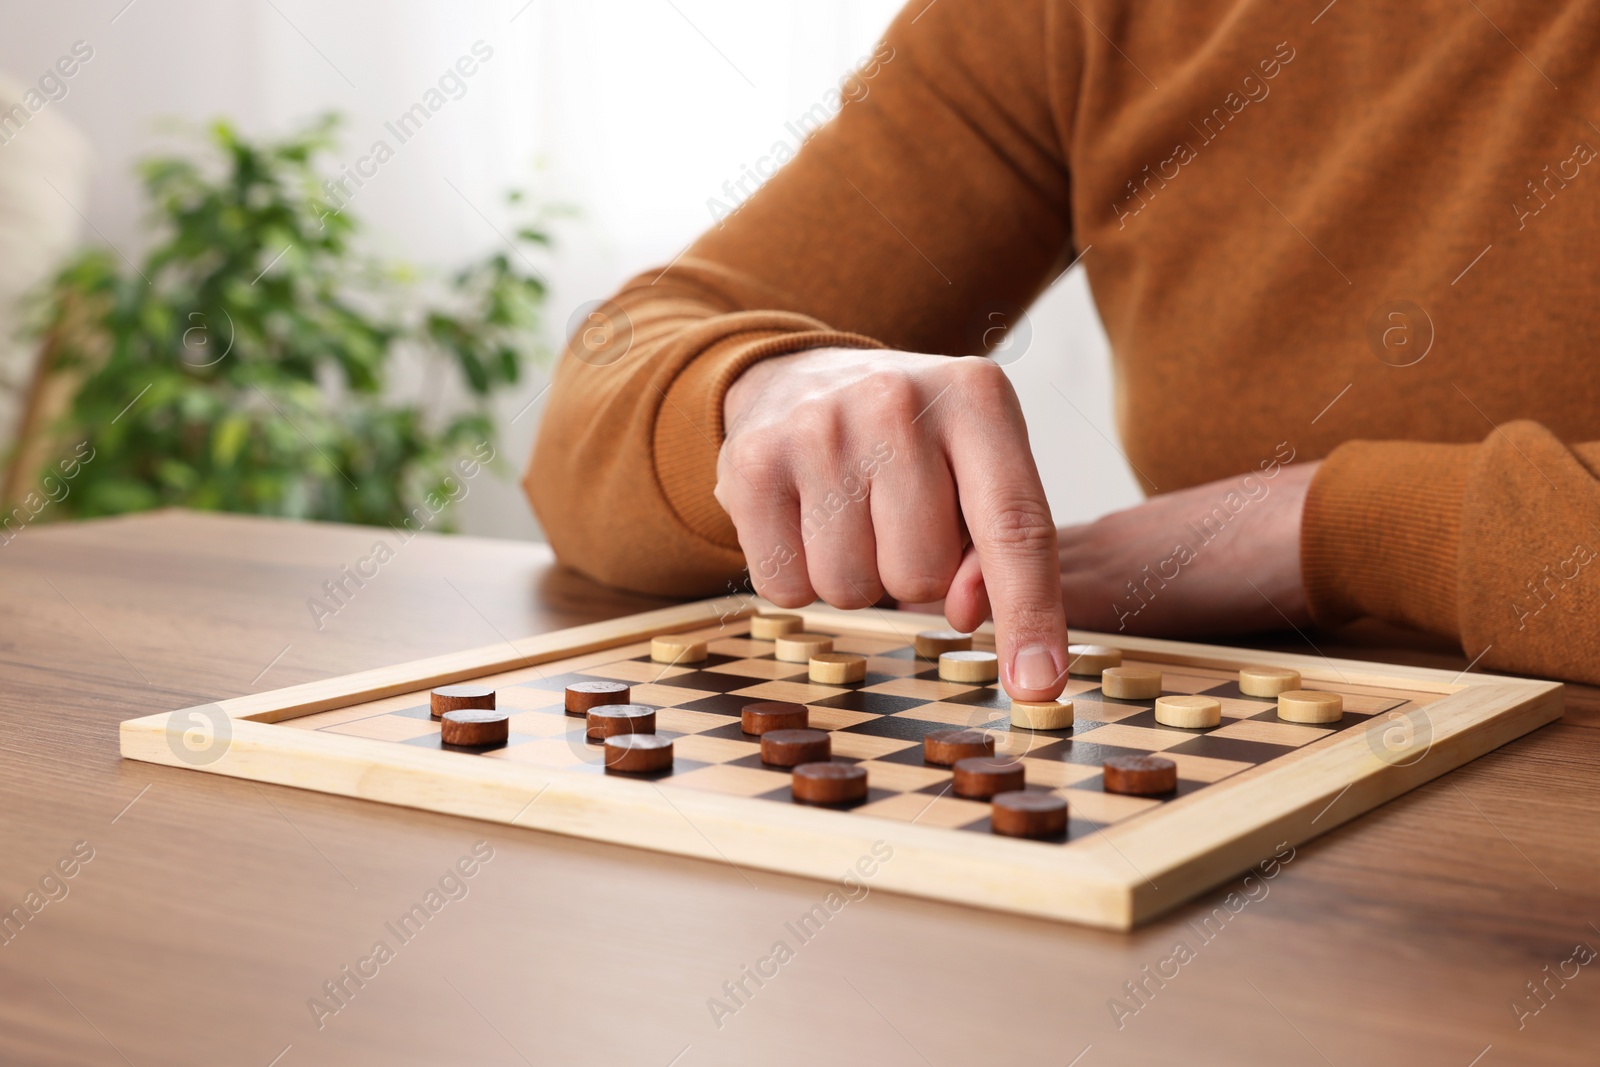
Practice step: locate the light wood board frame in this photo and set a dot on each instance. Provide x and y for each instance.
(1117, 878)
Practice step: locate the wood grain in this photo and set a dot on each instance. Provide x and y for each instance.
(214, 908)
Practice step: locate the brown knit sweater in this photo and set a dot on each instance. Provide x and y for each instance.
(1369, 233)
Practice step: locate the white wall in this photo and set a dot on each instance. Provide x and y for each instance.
(635, 111)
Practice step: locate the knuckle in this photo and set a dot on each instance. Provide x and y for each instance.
(782, 585)
(893, 398)
(760, 457)
(921, 578)
(985, 383)
(918, 588)
(1020, 528)
(818, 427)
(849, 594)
(786, 597)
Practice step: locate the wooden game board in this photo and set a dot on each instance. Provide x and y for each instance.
(1245, 787)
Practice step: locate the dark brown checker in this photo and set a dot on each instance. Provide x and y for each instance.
(609, 720)
(473, 727)
(945, 747)
(581, 696)
(1029, 814)
(756, 719)
(984, 777)
(1139, 775)
(638, 753)
(790, 748)
(829, 783)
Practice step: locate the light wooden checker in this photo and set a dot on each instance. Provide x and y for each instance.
(1244, 788)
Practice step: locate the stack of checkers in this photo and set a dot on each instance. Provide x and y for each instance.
(467, 716)
(627, 731)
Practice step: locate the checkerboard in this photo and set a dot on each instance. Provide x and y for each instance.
(878, 722)
(1245, 788)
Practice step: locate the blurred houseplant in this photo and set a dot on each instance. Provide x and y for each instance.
(250, 362)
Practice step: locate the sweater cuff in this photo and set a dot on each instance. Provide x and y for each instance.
(688, 430)
(1381, 534)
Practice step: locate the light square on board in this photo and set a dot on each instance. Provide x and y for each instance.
(1273, 733)
(943, 811)
(545, 724)
(1235, 708)
(1105, 710)
(864, 645)
(1205, 768)
(632, 670)
(1141, 737)
(838, 718)
(733, 781)
(867, 746)
(1177, 680)
(386, 728)
(1055, 774)
(894, 666)
(667, 696)
(921, 688)
(552, 752)
(760, 669)
(1105, 808)
(684, 721)
(903, 777)
(740, 647)
(526, 698)
(795, 692)
(956, 716)
(713, 749)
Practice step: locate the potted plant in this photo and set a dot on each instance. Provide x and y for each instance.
(251, 361)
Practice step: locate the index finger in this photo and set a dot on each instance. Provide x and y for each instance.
(1008, 517)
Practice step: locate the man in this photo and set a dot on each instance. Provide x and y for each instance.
(1357, 236)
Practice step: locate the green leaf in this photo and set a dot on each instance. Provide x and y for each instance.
(227, 438)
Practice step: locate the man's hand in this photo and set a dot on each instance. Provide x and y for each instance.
(1216, 559)
(854, 474)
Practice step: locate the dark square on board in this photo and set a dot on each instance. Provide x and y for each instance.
(987, 697)
(1231, 748)
(871, 703)
(1089, 754)
(710, 681)
(720, 704)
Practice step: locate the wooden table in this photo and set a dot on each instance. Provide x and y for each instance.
(214, 909)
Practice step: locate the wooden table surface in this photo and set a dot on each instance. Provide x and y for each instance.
(213, 910)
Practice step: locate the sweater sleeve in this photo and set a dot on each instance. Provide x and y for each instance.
(937, 194)
(1491, 543)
